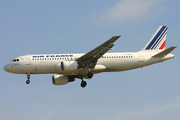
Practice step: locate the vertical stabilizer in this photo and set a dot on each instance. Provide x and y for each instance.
(158, 40)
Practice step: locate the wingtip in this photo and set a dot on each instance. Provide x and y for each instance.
(117, 36)
(174, 47)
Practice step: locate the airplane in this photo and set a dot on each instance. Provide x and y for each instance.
(67, 67)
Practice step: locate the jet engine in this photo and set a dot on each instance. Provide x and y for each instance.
(61, 79)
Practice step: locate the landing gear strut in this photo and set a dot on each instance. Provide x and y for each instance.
(28, 81)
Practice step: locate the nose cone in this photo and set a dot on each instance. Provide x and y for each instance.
(6, 68)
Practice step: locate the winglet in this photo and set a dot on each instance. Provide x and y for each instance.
(165, 52)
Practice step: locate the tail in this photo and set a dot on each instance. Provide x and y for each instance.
(158, 40)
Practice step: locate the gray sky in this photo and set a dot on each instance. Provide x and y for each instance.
(55, 27)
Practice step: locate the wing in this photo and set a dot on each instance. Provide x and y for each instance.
(90, 59)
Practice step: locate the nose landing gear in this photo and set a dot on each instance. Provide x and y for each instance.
(28, 81)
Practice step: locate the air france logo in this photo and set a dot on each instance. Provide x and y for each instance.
(48, 56)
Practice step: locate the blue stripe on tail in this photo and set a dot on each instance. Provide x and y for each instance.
(158, 36)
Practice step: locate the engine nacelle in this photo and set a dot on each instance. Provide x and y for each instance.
(68, 66)
(61, 79)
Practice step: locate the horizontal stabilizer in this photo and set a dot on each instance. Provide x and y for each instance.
(165, 52)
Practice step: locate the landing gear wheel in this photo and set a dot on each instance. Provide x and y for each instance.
(83, 84)
(90, 74)
(27, 81)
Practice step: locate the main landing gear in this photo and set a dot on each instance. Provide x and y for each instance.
(28, 81)
(84, 83)
(90, 74)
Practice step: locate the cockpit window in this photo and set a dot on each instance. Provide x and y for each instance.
(15, 60)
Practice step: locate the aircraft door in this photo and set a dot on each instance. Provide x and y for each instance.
(28, 60)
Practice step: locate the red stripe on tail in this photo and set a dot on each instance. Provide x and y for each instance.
(163, 45)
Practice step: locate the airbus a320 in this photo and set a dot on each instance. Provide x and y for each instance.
(67, 67)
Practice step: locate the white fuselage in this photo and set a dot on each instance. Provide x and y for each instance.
(110, 62)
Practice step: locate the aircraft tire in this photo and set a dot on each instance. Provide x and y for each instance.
(83, 84)
(90, 74)
(27, 81)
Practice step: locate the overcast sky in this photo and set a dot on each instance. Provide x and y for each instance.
(56, 27)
